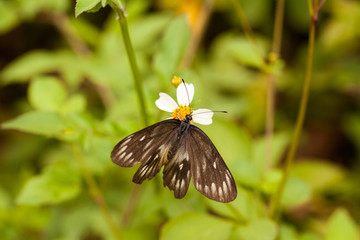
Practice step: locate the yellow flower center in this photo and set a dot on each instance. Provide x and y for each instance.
(181, 112)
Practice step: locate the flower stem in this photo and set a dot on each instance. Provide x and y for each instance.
(275, 203)
(247, 29)
(95, 191)
(132, 60)
(271, 79)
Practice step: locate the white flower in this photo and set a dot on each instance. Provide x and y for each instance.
(185, 94)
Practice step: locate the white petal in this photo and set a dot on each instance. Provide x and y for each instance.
(166, 103)
(202, 116)
(185, 94)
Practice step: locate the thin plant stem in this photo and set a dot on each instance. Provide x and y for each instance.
(95, 191)
(138, 83)
(278, 28)
(240, 218)
(271, 80)
(121, 14)
(270, 92)
(247, 29)
(269, 124)
(275, 203)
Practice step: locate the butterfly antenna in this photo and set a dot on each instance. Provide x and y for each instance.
(209, 111)
(187, 92)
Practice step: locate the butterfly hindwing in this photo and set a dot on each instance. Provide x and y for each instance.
(148, 146)
(176, 174)
(209, 172)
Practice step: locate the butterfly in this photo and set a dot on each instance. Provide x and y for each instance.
(184, 150)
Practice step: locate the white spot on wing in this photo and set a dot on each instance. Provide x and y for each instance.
(182, 184)
(198, 172)
(173, 180)
(177, 184)
(122, 149)
(127, 140)
(142, 138)
(204, 164)
(198, 186)
(214, 165)
(228, 179)
(221, 195)
(181, 166)
(128, 156)
(213, 188)
(148, 144)
(143, 171)
(206, 188)
(225, 188)
(186, 156)
(122, 155)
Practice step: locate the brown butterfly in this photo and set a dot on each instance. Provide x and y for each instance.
(183, 149)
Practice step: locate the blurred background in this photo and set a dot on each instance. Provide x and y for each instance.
(67, 97)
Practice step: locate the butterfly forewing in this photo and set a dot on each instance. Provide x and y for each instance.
(209, 172)
(148, 147)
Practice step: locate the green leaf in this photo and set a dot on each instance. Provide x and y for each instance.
(27, 66)
(238, 47)
(287, 232)
(5, 201)
(87, 6)
(271, 180)
(9, 17)
(279, 144)
(97, 156)
(196, 225)
(318, 174)
(341, 226)
(172, 48)
(150, 26)
(309, 236)
(258, 229)
(246, 206)
(59, 182)
(76, 103)
(46, 93)
(39, 62)
(104, 2)
(296, 191)
(49, 124)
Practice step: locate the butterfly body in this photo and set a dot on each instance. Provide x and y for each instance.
(185, 151)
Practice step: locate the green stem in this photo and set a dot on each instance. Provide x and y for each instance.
(278, 27)
(95, 191)
(132, 60)
(247, 29)
(121, 13)
(275, 203)
(239, 217)
(271, 79)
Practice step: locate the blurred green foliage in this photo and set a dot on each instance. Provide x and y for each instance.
(66, 83)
